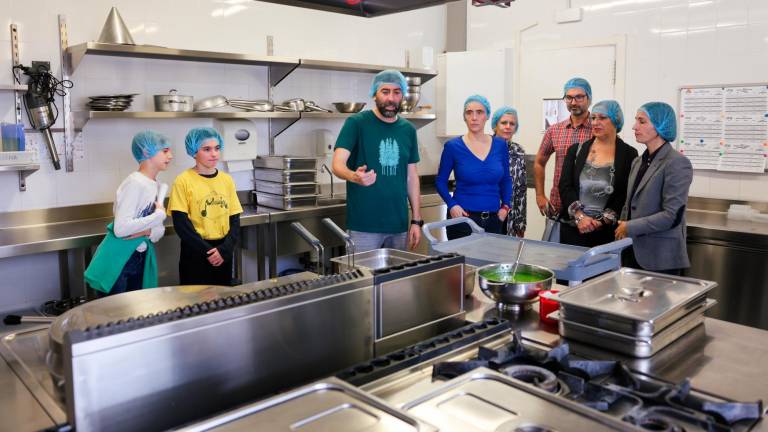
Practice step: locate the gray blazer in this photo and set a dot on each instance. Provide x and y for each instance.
(657, 227)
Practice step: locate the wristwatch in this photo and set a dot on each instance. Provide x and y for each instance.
(419, 222)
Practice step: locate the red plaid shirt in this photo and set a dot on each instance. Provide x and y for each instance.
(557, 139)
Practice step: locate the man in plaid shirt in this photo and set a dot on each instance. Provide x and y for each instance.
(574, 130)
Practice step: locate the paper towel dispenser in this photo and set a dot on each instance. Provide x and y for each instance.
(240, 139)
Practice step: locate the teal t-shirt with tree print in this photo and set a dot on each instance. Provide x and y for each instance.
(387, 148)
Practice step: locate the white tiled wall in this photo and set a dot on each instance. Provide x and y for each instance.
(670, 43)
(215, 25)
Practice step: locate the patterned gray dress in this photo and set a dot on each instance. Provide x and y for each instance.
(516, 218)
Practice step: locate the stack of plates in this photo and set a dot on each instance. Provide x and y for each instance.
(118, 102)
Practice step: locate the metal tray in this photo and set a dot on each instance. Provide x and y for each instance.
(273, 188)
(635, 347)
(286, 162)
(285, 176)
(635, 303)
(328, 405)
(485, 400)
(571, 263)
(285, 202)
(376, 259)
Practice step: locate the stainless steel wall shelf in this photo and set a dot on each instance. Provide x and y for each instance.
(14, 87)
(24, 171)
(280, 67)
(425, 74)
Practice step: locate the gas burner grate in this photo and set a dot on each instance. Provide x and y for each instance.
(609, 387)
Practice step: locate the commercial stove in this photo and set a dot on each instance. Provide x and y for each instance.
(503, 383)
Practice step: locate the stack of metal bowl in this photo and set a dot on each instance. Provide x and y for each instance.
(412, 95)
(514, 289)
(117, 102)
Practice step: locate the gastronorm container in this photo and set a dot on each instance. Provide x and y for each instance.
(285, 176)
(285, 162)
(640, 347)
(635, 303)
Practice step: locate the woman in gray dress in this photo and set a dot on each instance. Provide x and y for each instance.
(505, 124)
(593, 185)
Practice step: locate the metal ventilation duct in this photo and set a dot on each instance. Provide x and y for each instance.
(363, 8)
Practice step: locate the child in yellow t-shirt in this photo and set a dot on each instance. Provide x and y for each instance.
(206, 213)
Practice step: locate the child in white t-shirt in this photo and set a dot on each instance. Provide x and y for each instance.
(139, 212)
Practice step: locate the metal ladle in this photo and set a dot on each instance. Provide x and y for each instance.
(517, 260)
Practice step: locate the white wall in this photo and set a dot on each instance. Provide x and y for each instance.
(215, 25)
(670, 43)
(199, 25)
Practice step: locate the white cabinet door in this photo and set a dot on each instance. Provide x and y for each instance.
(462, 74)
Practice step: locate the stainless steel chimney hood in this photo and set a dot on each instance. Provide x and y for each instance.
(363, 8)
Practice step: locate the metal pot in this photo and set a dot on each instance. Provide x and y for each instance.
(173, 102)
(517, 295)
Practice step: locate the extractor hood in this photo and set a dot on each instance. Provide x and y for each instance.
(363, 8)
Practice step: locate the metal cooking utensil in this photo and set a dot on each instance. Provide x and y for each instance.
(348, 107)
(312, 106)
(519, 254)
(217, 101)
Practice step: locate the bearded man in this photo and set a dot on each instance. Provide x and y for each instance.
(376, 153)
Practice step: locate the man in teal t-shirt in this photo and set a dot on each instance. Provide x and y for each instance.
(376, 153)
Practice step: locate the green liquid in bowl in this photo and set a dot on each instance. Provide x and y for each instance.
(496, 275)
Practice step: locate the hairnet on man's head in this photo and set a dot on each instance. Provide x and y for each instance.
(501, 112)
(147, 144)
(197, 136)
(612, 110)
(389, 76)
(481, 100)
(578, 83)
(662, 118)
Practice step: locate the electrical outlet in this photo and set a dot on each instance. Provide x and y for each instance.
(37, 66)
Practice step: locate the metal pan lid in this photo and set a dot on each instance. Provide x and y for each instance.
(636, 294)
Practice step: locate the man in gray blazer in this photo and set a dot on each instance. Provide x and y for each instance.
(659, 180)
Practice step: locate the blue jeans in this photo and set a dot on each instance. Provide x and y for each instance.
(132, 276)
(365, 241)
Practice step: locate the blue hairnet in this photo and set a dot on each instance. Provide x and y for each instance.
(197, 136)
(389, 76)
(612, 110)
(500, 113)
(578, 83)
(662, 118)
(147, 144)
(481, 100)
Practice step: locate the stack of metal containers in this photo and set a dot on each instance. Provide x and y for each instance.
(285, 182)
(633, 312)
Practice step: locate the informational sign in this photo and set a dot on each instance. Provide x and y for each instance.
(555, 111)
(725, 128)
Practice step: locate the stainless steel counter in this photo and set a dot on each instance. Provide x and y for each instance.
(719, 357)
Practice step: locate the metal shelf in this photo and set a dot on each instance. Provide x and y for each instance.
(82, 117)
(13, 87)
(280, 67)
(24, 171)
(425, 74)
(419, 117)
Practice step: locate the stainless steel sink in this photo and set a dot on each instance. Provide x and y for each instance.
(328, 201)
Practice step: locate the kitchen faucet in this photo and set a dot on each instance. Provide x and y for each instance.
(324, 168)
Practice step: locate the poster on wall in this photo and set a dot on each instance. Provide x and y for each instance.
(725, 128)
(555, 111)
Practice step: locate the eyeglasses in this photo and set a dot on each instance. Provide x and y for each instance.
(577, 98)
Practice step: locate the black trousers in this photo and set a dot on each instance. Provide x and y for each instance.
(194, 268)
(571, 235)
(489, 221)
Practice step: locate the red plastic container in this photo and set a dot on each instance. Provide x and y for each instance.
(547, 306)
